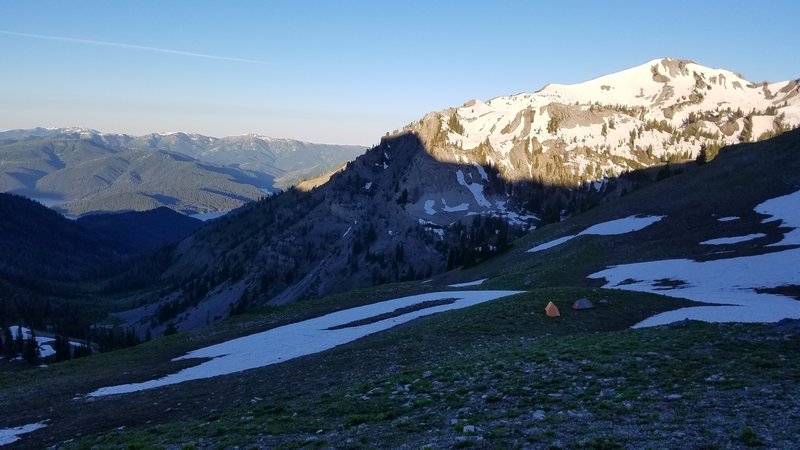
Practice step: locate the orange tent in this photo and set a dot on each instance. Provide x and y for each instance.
(551, 310)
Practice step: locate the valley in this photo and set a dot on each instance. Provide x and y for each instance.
(82, 171)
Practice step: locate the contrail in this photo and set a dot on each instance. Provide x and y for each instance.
(131, 46)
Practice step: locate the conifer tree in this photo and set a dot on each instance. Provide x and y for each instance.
(9, 349)
(171, 329)
(82, 350)
(31, 352)
(62, 348)
(702, 155)
(19, 341)
(747, 133)
(455, 125)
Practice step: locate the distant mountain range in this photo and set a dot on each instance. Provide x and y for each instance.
(81, 171)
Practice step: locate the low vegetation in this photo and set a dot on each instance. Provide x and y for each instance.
(498, 375)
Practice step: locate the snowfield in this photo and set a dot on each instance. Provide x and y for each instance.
(733, 239)
(304, 338)
(787, 209)
(11, 435)
(733, 283)
(475, 188)
(610, 228)
(621, 226)
(551, 244)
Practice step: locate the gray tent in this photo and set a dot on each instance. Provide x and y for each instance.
(582, 303)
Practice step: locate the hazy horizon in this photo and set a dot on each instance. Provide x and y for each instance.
(344, 73)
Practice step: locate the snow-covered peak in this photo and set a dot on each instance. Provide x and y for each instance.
(250, 136)
(656, 81)
(74, 130)
(573, 134)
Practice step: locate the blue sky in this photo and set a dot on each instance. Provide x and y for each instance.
(346, 71)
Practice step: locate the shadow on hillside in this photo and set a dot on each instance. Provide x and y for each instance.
(548, 200)
(354, 231)
(254, 178)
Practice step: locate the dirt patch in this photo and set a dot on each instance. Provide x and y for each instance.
(397, 312)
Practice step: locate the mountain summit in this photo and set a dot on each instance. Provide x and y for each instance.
(661, 111)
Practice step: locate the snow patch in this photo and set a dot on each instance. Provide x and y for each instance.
(459, 207)
(303, 338)
(550, 244)
(429, 207)
(728, 219)
(46, 344)
(598, 185)
(475, 188)
(731, 283)
(610, 228)
(621, 226)
(468, 283)
(11, 435)
(513, 217)
(728, 282)
(367, 185)
(482, 171)
(787, 209)
(733, 240)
